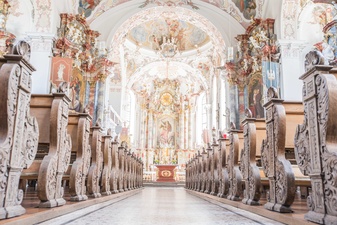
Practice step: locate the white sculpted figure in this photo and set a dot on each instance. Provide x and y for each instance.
(60, 72)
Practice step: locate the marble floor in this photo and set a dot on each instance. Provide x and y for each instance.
(164, 206)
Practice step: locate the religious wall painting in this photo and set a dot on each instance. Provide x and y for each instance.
(246, 7)
(255, 95)
(166, 132)
(117, 77)
(77, 91)
(124, 135)
(61, 70)
(153, 34)
(87, 6)
(322, 14)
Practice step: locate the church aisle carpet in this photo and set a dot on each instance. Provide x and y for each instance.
(164, 206)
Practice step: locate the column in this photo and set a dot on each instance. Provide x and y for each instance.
(291, 68)
(186, 129)
(100, 101)
(181, 130)
(190, 118)
(150, 131)
(41, 53)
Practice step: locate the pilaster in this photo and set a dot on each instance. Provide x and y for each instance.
(292, 65)
(41, 53)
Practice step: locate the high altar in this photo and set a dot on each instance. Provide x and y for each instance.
(167, 128)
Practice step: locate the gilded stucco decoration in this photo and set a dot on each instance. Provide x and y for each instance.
(152, 34)
(42, 17)
(241, 10)
(175, 21)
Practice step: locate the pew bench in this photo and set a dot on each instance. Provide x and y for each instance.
(51, 162)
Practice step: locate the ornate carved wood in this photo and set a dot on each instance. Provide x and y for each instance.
(315, 142)
(250, 172)
(126, 169)
(79, 130)
(129, 170)
(209, 176)
(194, 171)
(276, 167)
(18, 131)
(134, 174)
(121, 161)
(215, 172)
(204, 171)
(114, 167)
(224, 177)
(234, 173)
(107, 163)
(51, 112)
(199, 171)
(187, 172)
(192, 174)
(140, 172)
(96, 166)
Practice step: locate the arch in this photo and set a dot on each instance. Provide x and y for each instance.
(195, 74)
(115, 22)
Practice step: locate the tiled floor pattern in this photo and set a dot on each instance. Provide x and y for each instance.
(162, 206)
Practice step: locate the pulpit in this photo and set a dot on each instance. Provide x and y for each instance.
(166, 173)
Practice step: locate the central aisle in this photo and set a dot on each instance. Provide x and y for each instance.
(163, 206)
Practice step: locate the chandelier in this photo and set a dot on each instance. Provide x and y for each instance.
(168, 48)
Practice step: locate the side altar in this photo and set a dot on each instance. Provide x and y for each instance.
(166, 173)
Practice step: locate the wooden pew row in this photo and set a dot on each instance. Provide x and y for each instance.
(18, 129)
(235, 190)
(79, 130)
(231, 189)
(51, 112)
(222, 171)
(316, 139)
(280, 119)
(254, 133)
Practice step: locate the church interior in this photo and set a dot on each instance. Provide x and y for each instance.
(109, 104)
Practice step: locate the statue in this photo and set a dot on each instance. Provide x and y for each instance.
(60, 72)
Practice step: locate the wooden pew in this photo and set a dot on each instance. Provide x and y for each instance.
(18, 130)
(223, 172)
(114, 167)
(133, 171)
(191, 174)
(79, 130)
(140, 174)
(203, 170)
(316, 139)
(96, 166)
(107, 163)
(194, 173)
(126, 169)
(51, 112)
(294, 116)
(199, 171)
(234, 173)
(140, 170)
(121, 150)
(214, 167)
(187, 172)
(277, 168)
(250, 171)
(208, 171)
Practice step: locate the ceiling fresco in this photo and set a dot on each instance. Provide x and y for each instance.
(241, 10)
(151, 34)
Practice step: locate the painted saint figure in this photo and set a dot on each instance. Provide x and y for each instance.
(166, 133)
(259, 112)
